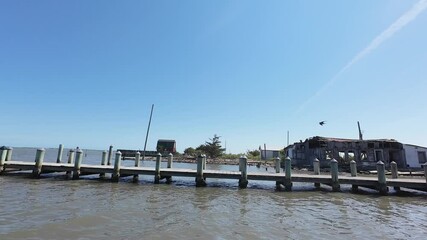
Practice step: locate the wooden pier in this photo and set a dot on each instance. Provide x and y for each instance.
(284, 180)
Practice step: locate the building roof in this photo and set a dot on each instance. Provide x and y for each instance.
(319, 138)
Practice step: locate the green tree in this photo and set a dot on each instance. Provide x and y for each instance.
(190, 151)
(254, 153)
(212, 148)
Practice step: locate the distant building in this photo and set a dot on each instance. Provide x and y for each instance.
(415, 155)
(269, 154)
(165, 146)
(366, 153)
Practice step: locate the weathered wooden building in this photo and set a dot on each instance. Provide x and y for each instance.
(366, 153)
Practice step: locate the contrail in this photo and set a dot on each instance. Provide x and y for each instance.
(401, 22)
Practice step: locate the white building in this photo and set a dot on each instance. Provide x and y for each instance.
(415, 155)
(269, 154)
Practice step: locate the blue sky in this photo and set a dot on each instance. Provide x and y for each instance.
(85, 73)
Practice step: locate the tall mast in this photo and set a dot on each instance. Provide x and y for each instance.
(148, 130)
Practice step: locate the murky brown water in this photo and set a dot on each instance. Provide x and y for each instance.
(54, 208)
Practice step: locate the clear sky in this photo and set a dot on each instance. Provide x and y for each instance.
(85, 73)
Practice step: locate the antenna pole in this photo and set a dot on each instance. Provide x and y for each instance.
(148, 130)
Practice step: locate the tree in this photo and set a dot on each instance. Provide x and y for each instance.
(213, 148)
(190, 151)
(254, 153)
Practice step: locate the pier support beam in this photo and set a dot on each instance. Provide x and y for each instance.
(243, 166)
(103, 162)
(3, 153)
(117, 162)
(334, 176)
(382, 184)
(394, 174)
(39, 163)
(70, 161)
(316, 170)
(137, 163)
(353, 170)
(157, 170)
(288, 171)
(200, 181)
(170, 162)
(77, 164)
(60, 150)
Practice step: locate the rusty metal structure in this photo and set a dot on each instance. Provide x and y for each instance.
(366, 153)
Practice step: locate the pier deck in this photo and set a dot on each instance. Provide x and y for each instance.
(86, 169)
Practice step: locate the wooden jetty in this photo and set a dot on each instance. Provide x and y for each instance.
(74, 168)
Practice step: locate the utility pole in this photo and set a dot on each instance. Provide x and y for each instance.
(148, 130)
(360, 132)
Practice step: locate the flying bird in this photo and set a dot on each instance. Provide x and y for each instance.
(322, 123)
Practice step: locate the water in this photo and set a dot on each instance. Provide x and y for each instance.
(54, 208)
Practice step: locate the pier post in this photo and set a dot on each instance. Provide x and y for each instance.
(103, 162)
(117, 162)
(382, 184)
(277, 163)
(3, 153)
(137, 163)
(157, 172)
(60, 150)
(200, 181)
(288, 179)
(353, 170)
(70, 161)
(77, 164)
(316, 170)
(204, 163)
(334, 175)
(110, 153)
(394, 173)
(243, 166)
(9, 153)
(170, 162)
(39, 162)
(425, 171)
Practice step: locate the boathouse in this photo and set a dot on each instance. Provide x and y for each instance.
(165, 146)
(366, 153)
(415, 155)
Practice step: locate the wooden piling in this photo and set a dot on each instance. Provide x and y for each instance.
(382, 184)
(3, 153)
(103, 162)
(39, 162)
(277, 165)
(316, 170)
(9, 153)
(425, 171)
(243, 166)
(157, 170)
(200, 181)
(334, 176)
(170, 162)
(60, 150)
(117, 162)
(70, 161)
(137, 163)
(77, 164)
(288, 170)
(110, 153)
(353, 170)
(394, 174)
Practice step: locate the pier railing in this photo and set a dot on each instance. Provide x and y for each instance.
(74, 169)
